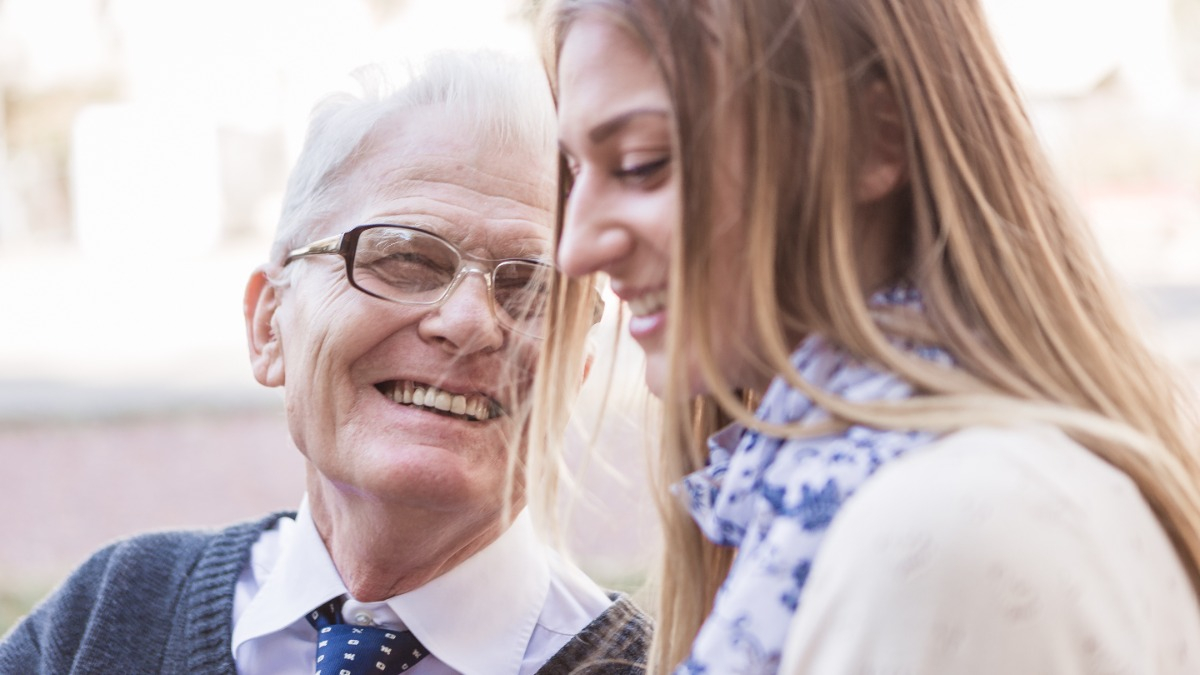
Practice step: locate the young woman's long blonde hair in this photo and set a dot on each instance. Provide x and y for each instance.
(1013, 286)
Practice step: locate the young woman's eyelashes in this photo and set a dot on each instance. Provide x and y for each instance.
(643, 173)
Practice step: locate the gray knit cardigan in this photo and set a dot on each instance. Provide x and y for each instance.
(163, 603)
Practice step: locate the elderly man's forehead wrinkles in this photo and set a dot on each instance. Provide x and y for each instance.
(530, 187)
(488, 224)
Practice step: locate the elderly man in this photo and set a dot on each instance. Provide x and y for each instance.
(401, 314)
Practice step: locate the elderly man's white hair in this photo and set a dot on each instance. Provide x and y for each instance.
(500, 100)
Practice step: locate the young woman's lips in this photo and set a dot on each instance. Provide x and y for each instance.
(648, 314)
(643, 327)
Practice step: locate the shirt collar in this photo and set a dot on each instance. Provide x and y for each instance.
(476, 618)
(301, 578)
(479, 616)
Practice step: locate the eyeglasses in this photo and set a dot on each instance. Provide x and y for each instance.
(410, 266)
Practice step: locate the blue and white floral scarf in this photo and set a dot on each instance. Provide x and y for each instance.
(774, 498)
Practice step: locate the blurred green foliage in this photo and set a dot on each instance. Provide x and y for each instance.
(16, 603)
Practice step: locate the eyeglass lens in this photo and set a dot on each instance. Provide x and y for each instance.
(410, 266)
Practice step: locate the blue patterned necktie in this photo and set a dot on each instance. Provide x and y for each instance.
(343, 649)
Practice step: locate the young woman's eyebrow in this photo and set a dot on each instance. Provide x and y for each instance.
(606, 129)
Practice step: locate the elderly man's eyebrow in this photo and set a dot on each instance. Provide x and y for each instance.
(531, 252)
(606, 129)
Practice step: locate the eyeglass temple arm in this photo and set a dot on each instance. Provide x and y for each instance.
(327, 245)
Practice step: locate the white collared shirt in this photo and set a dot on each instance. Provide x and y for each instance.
(504, 611)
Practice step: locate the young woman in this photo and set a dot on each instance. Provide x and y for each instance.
(948, 450)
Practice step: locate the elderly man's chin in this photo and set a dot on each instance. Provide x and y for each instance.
(403, 455)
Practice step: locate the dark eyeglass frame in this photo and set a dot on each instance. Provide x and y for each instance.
(346, 246)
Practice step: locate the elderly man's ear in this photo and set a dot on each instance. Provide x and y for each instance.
(266, 349)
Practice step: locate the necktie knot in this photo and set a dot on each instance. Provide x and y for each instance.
(343, 649)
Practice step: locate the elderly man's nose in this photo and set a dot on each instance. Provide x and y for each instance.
(465, 321)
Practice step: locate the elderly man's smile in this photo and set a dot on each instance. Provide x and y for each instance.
(474, 407)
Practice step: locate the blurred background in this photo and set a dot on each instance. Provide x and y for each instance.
(143, 150)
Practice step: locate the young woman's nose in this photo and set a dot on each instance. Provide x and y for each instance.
(593, 237)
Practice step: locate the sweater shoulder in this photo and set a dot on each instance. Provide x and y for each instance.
(997, 550)
(148, 585)
(171, 554)
(1014, 480)
(139, 568)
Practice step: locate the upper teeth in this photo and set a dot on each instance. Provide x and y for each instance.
(475, 406)
(648, 303)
